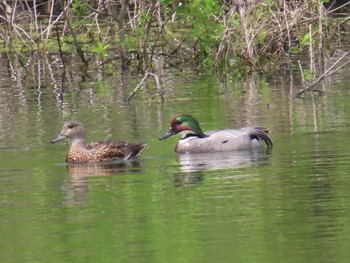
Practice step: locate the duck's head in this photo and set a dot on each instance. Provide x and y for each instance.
(184, 124)
(73, 130)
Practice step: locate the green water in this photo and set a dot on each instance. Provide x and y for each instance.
(290, 204)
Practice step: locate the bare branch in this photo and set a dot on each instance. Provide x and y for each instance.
(156, 77)
(326, 74)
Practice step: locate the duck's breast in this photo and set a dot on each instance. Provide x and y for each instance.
(78, 155)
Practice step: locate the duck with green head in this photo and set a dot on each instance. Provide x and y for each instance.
(80, 152)
(194, 140)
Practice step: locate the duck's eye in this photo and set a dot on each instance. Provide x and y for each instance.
(70, 126)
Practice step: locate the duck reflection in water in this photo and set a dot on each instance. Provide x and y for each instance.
(192, 165)
(77, 192)
(223, 160)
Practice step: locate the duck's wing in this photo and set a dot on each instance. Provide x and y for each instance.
(241, 138)
(109, 151)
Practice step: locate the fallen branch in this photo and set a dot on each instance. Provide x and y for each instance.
(159, 88)
(329, 72)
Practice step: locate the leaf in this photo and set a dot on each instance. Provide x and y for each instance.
(305, 40)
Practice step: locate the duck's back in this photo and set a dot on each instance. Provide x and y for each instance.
(104, 151)
(225, 140)
(109, 151)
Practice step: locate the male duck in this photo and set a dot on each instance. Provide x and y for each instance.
(97, 151)
(193, 140)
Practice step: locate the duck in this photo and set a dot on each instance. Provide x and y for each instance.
(194, 140)
(80, 152)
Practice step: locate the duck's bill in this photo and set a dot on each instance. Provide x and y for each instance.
(60, 137)
(166, 135)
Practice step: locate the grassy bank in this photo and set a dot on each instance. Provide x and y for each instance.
(258, 35)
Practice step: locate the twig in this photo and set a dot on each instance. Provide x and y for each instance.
(133, 93)
(345, 20)
(320, 29)
(156, 77)
(159, 88)
(51, 3)
(287, 26)
(327, 74)
(335, 9)
(301, 72)
(58, 18)
(75, 41)
(59, 46)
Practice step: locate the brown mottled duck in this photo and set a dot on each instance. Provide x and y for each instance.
(80, 152)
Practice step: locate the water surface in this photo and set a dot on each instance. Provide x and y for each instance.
(288, 204)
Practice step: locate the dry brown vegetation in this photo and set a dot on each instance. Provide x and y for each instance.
(231, 33)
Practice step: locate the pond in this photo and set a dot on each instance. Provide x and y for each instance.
(287, 204)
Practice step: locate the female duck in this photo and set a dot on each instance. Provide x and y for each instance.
(193, 140)
(97, 151)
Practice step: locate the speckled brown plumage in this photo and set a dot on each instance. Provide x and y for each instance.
(96, 151)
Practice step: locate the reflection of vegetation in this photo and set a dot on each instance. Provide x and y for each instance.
(208, 32)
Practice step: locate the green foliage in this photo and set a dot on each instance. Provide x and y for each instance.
(201, 15)
(80, 8)
(101, 50)
(136, 40)
(307, 74)
(305, 40)
(131, 43)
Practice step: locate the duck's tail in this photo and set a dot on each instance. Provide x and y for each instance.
(261, 134)
(134, 149)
